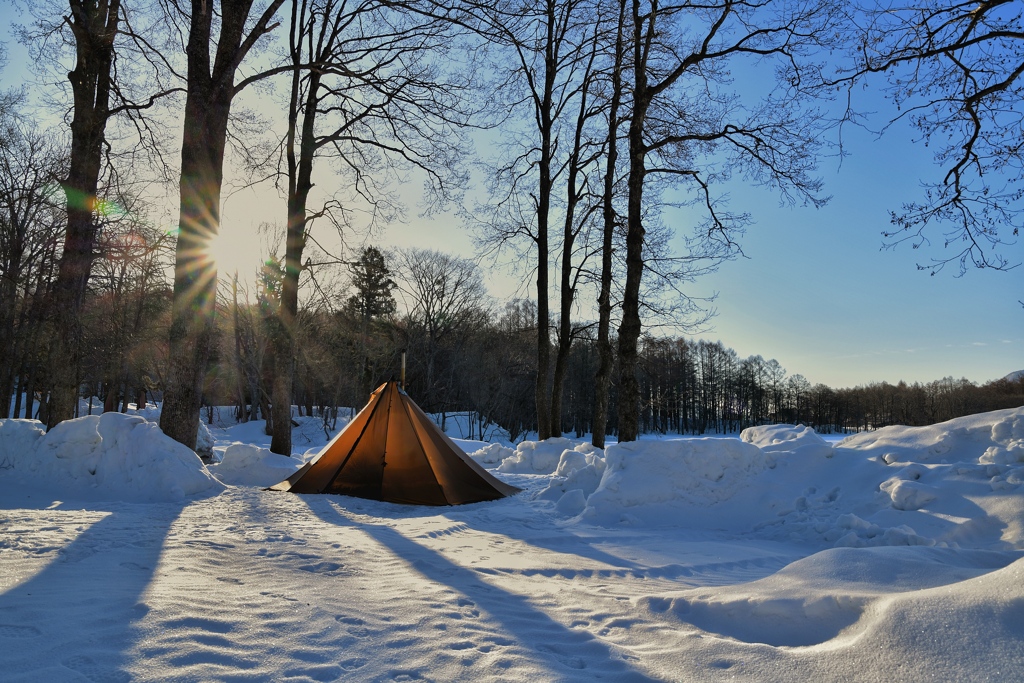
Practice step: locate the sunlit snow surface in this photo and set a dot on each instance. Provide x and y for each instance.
(891, 556)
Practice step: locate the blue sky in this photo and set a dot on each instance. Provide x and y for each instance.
(815, 291)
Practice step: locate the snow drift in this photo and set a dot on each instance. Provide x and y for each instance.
(110, 456)
(244, 464)
(954, 484)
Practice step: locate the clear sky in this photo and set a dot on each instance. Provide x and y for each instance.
(815, 291)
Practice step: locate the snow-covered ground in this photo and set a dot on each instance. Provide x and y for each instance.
(895, 555)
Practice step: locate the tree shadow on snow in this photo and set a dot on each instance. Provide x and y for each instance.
(559, 649)
(76, 617)
(506, 518)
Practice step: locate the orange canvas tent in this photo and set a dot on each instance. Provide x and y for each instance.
(392, 451)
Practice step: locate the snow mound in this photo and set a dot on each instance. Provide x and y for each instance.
(786, 483)
(828, 594)
(996, 436)
(537, 457)
(788, 439)
(492, 454)
(578, 472)
(861, 533)
(204, 441)
(18, 439)
(960, 630)
(109, 456)
(643, 477)
(248, 465)
(908, 495)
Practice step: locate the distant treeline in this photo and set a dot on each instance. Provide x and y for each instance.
(484, 362)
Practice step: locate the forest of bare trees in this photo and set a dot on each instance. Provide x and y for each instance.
(465, 352)
(601, 113)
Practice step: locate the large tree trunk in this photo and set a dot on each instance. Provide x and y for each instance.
(195, 275)
(567, 293)
(207, 107)
(629, 328)
(300, 182)
(94, 25)
(542, 391)
(602, 379)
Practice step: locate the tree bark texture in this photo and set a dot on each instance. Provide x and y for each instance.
(207, 106)
(602, 378)
(300, 182)
(629, 328)
(544, 184)
(94, 25)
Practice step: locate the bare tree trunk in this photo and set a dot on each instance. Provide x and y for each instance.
(300, 174)
(542, 391)
(8, 297)
(629, 328)
(110, 400)
(602, 378)
(567, 284)
(94, 26)
(9, 341)
(207, 107)
(243, 412)
(545, 119)
(30, 389)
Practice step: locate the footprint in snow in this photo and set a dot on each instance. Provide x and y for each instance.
(406, 675)
(134, 565)
(352, 664)
(209, 544)
(353, 621)
(12, 631)
(329, 568)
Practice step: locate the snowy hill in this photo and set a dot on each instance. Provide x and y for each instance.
(894, 555)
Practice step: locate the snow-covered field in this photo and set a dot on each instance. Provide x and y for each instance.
(895, 555)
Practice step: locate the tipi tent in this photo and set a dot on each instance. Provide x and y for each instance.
(392, 451)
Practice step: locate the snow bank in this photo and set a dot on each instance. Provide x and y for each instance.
(576, 477)
(109, 456)
(248, 465)
(492, 454)
(957, 484)
(537, 457)
(997, 436)
(650, 478)
(787, 439)
(840, 592)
